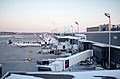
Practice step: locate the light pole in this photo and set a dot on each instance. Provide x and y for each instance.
(72, 39)
(77, 25)
(109, 17)
(72, 30)
(78, 34)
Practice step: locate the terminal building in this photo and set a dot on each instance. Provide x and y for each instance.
(104, 27)
(100, 46)
(99, 42)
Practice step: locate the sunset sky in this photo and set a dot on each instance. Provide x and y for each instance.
(55, 15)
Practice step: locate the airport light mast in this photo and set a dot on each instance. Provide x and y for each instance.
(72, 39)
(109, 17)
(78, 34)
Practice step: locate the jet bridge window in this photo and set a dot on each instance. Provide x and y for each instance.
(66, 63)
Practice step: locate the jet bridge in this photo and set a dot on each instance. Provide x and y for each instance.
(61, 64)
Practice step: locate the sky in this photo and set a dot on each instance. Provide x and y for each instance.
(55, 15)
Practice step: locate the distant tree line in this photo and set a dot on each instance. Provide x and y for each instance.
(7, 33)
(22, 33)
